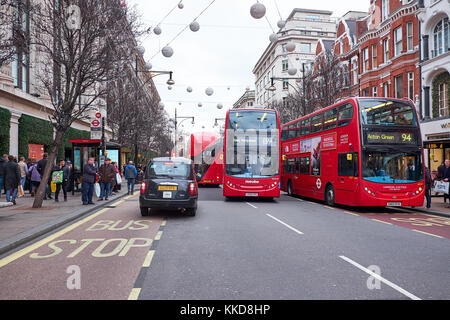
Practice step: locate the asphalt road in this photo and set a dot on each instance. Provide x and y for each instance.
(289, 248)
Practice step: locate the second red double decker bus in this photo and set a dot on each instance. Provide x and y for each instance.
(206, 151)
(252, 153)
(358, 152)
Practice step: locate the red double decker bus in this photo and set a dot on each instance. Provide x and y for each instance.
(252, 153)
(358, 152)
(206, 151)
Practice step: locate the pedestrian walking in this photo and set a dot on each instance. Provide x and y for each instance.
(3, 162)
(41, 167)
(23, 173)
(428, 187)
(62, 183)
(12, 179)
(35, 177)
(446, 176)
(440, 176)
(116, 183)
(130, 176)
(107, 174)
(89, 175)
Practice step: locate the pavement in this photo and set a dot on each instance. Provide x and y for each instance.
(438, 207)
(21, 223)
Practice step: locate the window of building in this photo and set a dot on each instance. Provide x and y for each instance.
(355, 72)
(441, 38)
(374, 56)
(386, 50)
(443, 100)
(399, 86)
(411, 85)
(398, 41)
(386, 89)
(346, 75)
(409, 36)
(21, 60)
(284, 65)
(365, 65)
(312, 17)
(341, 46)
(285, 84)
(365, 92)
(375, 91)
(283, 48)
(305, 47)
(384, 9)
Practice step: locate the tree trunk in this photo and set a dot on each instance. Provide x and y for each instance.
(39, 196)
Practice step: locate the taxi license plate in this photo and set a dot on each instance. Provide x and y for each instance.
(167, 188)
(394, 204)
(167, 195)
(251, 194)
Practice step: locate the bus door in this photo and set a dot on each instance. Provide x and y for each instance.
(348, 173)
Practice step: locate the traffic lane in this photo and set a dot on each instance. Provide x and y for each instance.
(108, 251)
(410, 259)
(230, 250)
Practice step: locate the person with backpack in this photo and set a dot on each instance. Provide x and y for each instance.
(130, 176)
(60, 177)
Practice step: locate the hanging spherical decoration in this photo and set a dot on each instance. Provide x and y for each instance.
(258, 10)
(169, 87)
(189, 89)
(281, 24)
(180, 5)
(148, 66)
(219, 106)
(157, 30)
(161, 105)
(200, 105)
(290, 46)
(194, 26)
(167, 51)
(209, 91)
(273, 37)
(292, 71)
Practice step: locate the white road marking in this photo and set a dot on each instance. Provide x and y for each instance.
(285, 224)
(380, 278)
(251, 205)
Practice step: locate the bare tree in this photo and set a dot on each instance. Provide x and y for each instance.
(82, 46)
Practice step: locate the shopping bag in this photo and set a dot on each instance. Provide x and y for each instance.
(57, 177)
(97, 189)
(441, 186)
(53, 186)
(20, 192)
(118, 178)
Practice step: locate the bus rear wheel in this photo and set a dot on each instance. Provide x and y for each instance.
(290, 189)
(329, 195)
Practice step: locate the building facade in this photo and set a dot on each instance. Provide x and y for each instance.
(434, 17)
(304, 28)
(246, 100)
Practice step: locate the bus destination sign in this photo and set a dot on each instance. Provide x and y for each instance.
(391, 137)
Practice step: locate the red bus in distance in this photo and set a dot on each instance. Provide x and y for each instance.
(206, 151)
(358, 152)
(252, 153)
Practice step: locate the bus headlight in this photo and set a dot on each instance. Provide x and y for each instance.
(420, 189)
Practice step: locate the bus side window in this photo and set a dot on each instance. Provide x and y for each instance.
(306, 127)
(283, 135)
(348, 164)
(316, 123)
(299, 128)
(330, 119)
(291, 134)
(297, 165)
(304, 165)
(345, 114)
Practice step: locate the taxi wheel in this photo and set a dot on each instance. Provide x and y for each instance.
(144, 212)
(191, 212)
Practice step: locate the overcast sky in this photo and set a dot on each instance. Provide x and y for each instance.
(221, 55)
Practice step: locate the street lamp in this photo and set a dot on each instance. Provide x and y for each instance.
(175, 121)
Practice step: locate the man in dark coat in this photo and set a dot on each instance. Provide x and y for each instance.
(41, 167)
(107, 174)
(3, 162)
(63, 185)
(440, 176)
(12, 179)
(89, 174)
(428, 187)
(446, 176)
